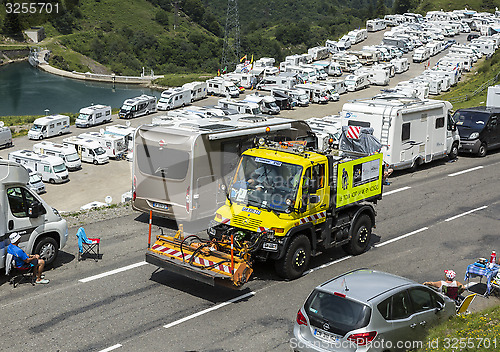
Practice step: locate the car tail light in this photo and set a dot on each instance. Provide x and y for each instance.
(134, 183)
(133, 196)
(187, 198)
(301, 319)
(363, 338)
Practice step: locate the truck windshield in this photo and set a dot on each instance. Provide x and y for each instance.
(36, 128)
(126, 107)
(99, 151)
(72, 157)
(84, 116)
(34, 178)
(59, 168)
(471, 119)
(265, 183)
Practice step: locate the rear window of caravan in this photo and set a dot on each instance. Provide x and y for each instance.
(163, 162)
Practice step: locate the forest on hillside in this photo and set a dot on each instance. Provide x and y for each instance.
(188, 35)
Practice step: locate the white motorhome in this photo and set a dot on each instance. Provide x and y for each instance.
(49, 126)
(435, 47)
(317, 94)
(89, 150)
(43, 231)
(50, 168)
(332, 68)
(35, 182)
(433, 82)
(65, 152)
(219, 86)
(412, 131)
(348, 63)
(344, 43)
(93, 115)
(299, 96)
(198, 90)
(327, 130)
(421, 54)
(267, 104)
(421, 88)
(138, 106)
(375, 25)
(114, 145)
(357, 81)
(306, 73)
(318, 52)
(332, 46)
(127, 132)
(241, 107)
(338, 85)
(376, 76)
(357, 36)
(283, 80)
(400, 65)
(5, 135)
(485, 47)
(174, 98)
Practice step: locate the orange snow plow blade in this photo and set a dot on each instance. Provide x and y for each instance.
(211, 262)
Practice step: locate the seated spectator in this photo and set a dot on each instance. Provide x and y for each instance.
(24, 260)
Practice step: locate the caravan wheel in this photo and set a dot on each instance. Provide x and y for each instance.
(415, 165)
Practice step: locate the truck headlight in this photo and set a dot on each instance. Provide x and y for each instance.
(474, 135)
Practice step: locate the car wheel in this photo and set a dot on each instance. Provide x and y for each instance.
(52, 181)
(482, 150)
(40, 138)
(296, 258)
(47, 248)
(95, 162)
(361, 235)
(453, 152)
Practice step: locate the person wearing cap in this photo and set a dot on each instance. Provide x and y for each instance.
(450, 281)
(24, 260)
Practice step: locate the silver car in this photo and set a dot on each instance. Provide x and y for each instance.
(368, 310)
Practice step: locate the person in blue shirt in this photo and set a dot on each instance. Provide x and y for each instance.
(24, 260)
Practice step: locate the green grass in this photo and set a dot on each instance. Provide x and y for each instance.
(177, 80)
(28, 120)
(466, 329)
(65, 58)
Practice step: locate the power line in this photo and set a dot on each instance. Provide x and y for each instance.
(231, 48)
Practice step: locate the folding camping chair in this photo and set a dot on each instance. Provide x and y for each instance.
(18, 274)
(464, 307)
(87, 245)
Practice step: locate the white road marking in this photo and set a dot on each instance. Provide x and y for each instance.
(395, 191)
(177, 322)
(119, 270)
(114, 347)
(465, 171)
(466, 213)
(401, 237)
(326, 265)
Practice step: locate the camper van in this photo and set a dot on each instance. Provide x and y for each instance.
(348, 63)
(50, 168)
(317, 94)
(242, 107)
(299, 96)
(65, 152)
(174, 98)
(318, 52)
(411, 131)
(49, 126)
(375, 25)
(198, 90)
(127, 132)
(400, 65)
(89, 150)
(138, 106)
(170, 176)
(93, 115)
(267, 104)
(35, 182)
(357, 36)
(5, 135)
(376, 76)
(219, 86)
(357, 81)
(338, 85)
(421, 54)
(283, 80)
(114, 145)
(332, 46)
(326, 128)
(43, 231)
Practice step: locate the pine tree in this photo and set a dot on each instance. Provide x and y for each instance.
(11, 25)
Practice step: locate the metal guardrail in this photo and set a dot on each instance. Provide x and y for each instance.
(482, 87)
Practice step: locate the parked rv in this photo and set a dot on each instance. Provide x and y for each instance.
(174, 98)
(5, 135)
(219, 86)
(267, 104)
(93, 115)
(50, 168)
(138, 106)
(198, 90)
(317, 94)
(65, 152)
(348, 63)
(241, 107)
(356, 82)
(283, 80)
(35, 182)
(283, 100)
(88, 150)
(375, 25)
(376, 76)
(318, 52)
(400, 65)
(114, 145)
(127, 132)
(299, 96)
(412, 131)
(49, 126)
(421, 54)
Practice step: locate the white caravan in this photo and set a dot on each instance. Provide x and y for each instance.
(433, 82)
(317, 94)
(198, 90)
(267, 104)
(241, 107)
(93, 115)
(375, 25)
(376, 76)
(219, 86)
(411, 131)
(283, 80)
(348, 63)
(421, 88)
(127, 132)
(338, 85)
(332, 46)
(326, 128)
(138, 106)
(43, 231)
(299, 96)
(357, 36)
(318, 52)
(357, 81)
(49, 126)
(89, 150)
(114, 145)
(400, 65)
(174, 98)
(50, 168)
(65, 152)
(35, 182)
(5, 135)
(421, 54)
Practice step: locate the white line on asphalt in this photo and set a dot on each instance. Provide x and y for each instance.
(464, 171)
(395, 191)
(326, 265)
(209, 310)
(114, 347)
(401, 237)
(466, 213)
(119, 270)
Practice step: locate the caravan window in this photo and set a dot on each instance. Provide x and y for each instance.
(162, 162)
(46, 168)
(19, 201)
(405, 131)
(108, 112)
(51, 125)
(439, 122)
(98, 115)
(358, 123)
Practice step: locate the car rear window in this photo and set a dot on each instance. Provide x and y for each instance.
(342, 314)
(163, 162)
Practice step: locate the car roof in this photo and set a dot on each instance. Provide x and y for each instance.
(365, 284)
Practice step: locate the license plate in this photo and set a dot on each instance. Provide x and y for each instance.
(160, 206)
(270, 246)
(326, 336)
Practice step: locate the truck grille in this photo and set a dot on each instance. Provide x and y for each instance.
(245, 222)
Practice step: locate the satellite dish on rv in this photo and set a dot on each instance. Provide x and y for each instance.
(108, 200)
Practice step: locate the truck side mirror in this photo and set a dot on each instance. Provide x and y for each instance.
(35, 210)
(314, 199)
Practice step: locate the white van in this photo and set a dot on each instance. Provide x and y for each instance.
(67, 153)
(49, 126)
(198, 90)
(267, 103)
(114, 145)
(50, 168)
(93, 115)
(5, 135)
(138, 106)
(221, 87)
(35, 182)
(174, 98)
(88, 150)
(348, 63)
(357, 81)
(241, 107)
(317, 94)
(43, 231)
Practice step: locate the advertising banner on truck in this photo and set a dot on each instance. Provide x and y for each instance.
(359, 179)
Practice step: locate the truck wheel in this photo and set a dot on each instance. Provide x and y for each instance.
(52, 181)
(453, 152)
(361, 236)
(40, 138)
(482, 151)
(296, 258)
(415, 165)
(47, 248)
(95, 162)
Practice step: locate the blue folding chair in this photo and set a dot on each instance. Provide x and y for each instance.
(87, 245)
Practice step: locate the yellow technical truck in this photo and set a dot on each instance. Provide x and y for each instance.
(284, 205)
